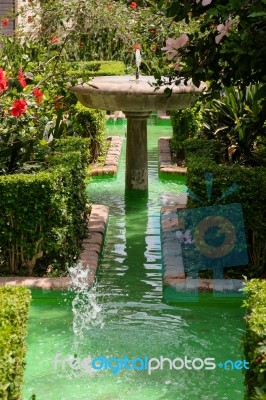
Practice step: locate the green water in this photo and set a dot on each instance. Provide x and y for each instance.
(136, 322)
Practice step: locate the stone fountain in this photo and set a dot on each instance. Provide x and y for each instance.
(137, 98)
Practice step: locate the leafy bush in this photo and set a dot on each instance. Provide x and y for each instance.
(89, 123)
(251, 194)
(72, 144)
(14, 312)
(88, 69)
(228, 46)
(254, 341)
(186, 124)
(237, 119)
(44, 215)
(203, 148)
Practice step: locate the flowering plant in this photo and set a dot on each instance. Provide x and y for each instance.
(226, 44)
(28, 121)
(184, 237)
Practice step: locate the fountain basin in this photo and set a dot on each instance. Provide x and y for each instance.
(137, 98)
(126, 93)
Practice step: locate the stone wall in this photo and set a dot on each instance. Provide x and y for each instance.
(7, 7)
(26, 20)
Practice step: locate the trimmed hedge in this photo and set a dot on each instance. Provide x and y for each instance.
(89, 69)
(186, 124)
(90, 123)
(254, 340)
(14, 312)
(43, 216)
(203, 156)
(203, 148)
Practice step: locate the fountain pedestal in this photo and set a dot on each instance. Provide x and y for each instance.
(136, 98)
(136, 152)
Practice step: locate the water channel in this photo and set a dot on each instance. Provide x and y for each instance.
(126, 315)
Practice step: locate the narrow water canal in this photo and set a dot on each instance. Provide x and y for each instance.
(134, 321)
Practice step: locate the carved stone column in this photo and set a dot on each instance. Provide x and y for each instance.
(136, 152)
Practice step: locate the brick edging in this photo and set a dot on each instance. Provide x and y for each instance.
(173, 269)
(112, 158)
(165, 159)
(92, 245)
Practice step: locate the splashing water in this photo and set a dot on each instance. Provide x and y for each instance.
(85, 308)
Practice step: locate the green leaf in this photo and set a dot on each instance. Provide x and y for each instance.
(257, 14)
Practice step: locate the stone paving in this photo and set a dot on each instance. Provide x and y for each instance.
(174, 275)
(112, 158)
(165, 160)
(92, 245)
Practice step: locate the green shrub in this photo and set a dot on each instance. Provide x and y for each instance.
(251, 194)
(254, 340)
(43, 217)
(202, 148)
(70, 144)
(89, 69)
(90, 123)
(237, 119)
(186, 124)
(14, 312)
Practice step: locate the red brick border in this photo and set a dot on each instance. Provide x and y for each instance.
(112, 158)
(165, 160)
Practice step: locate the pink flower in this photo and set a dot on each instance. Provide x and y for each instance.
(18, 108)
(223, 29)
(133, 4)
(184, 237)
(172, 46)
(204, 2)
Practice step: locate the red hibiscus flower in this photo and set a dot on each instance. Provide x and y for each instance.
(37, 94)
(5, 21)
(3, 80)
(133, 4)
(21, 78)
(18, 108)
(54, 40)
